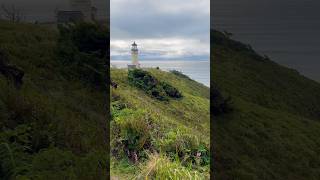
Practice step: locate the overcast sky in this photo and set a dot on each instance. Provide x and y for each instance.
(166, 29)
(43, 10)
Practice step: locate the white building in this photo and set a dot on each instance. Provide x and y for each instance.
(134, 56)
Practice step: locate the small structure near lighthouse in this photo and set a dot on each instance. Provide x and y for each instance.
(134, 57)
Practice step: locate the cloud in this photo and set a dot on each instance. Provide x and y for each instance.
(169, 28)
(43, 10)
(162, 47)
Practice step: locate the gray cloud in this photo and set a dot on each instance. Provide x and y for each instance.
(43, 10)
(156, 23)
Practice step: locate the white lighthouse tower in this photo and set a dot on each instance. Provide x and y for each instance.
(134, 56)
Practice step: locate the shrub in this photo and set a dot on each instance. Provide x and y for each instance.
(19, 109)
(87, 37)
(7, 162)
(220, 105)
(185, 146)
(135, 129)
(170, 90)
(53, 164)
(145, 81)
(118, 105)
(82, 52)
(159, 93)
(142, 79)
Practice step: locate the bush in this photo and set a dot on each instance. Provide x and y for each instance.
(53, 164)
(7, 162)
(220, 105)
(170, 90)
(87, 37)
(118, 105)
(145, 81)
(185, 146)
(18, 109)
(82, 52)
(135, 129)
(142, 79)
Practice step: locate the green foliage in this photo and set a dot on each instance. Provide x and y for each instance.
(118, 105)
(145, 81)
(86, 37)
(159, 167)
(66, 165)
(53, 126)
(82, 52)
(53, 160)
(8, 164)
(186, 146)
(19, 110)
(170, 90)
(135, 129)
(166, 125)
(220, 105)
(273, 131)
(180, 74)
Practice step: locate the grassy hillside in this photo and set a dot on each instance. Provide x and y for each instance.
(273, 131)
(52, 127)
(169, 133)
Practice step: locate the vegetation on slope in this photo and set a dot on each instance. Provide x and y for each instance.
(273, 131)
(154, 138)
(145, 81)
(52, 126)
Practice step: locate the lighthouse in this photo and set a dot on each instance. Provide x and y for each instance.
(134, 56)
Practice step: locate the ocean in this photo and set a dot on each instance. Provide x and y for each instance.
(285, 30)
(197, 70)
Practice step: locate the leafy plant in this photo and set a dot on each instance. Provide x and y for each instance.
(170, 90)
(7, 162)
(220, 105)
(185, 146)
(145, 81)
(160, 167)
(82, 49)
(135, 127)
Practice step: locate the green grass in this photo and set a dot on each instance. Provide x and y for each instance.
(273, 132)
(177, 128)
(53, 126)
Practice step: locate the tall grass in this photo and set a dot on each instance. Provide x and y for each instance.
(176, 130)
(159, 167)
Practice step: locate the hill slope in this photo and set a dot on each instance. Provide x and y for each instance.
(52, 125)
(179, 128)
(273, 132)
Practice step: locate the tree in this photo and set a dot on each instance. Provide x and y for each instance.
(12, 13)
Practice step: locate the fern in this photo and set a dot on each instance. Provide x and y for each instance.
(7, 162)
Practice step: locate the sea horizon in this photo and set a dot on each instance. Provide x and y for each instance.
(198, 70)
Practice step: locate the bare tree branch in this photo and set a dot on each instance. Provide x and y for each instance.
(12, 14)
